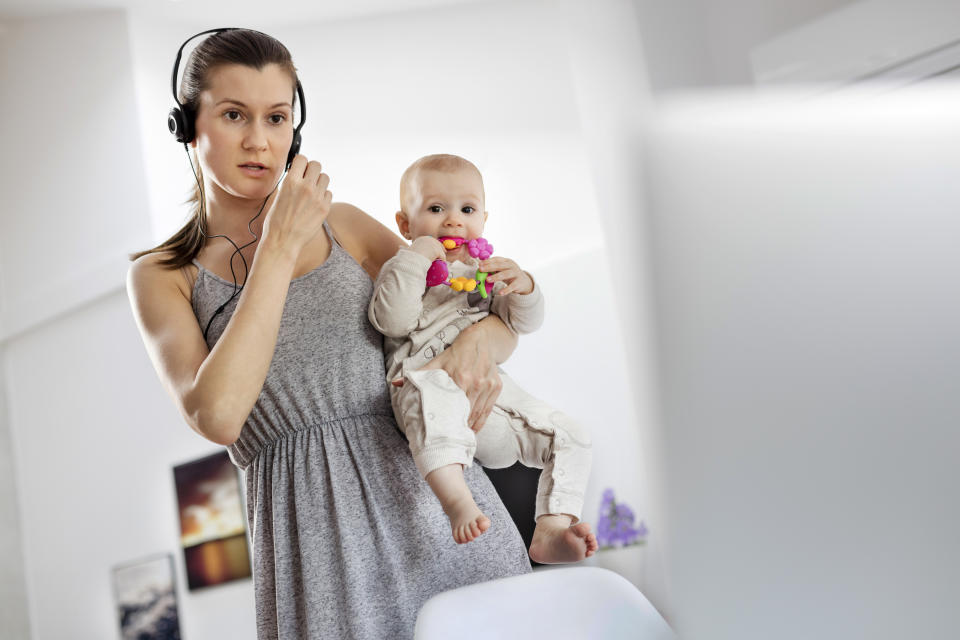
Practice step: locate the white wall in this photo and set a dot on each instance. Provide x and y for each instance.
(13, 586)
(70, 212)
(93, 434)
(74, 188)
(704, 43)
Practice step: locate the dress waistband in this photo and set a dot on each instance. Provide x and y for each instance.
(254, 439)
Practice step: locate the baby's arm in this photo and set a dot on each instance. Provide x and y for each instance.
(397, 300)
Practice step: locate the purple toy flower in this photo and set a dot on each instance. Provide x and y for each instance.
(480, 248)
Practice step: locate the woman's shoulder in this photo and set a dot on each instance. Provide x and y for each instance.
(365, 238)
(150, 275)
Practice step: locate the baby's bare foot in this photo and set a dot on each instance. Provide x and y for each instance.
(466, 520)
(556, 542)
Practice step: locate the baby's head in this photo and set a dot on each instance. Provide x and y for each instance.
(442, 195)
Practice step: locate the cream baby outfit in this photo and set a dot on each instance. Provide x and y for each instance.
(419, 322)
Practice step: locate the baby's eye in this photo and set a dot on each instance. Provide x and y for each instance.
(435, 209)
(468, 209)
(233, 115)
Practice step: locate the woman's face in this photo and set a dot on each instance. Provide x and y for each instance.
(244, 128)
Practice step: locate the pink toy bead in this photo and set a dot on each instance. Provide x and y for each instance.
(437, 273)
(480, 248)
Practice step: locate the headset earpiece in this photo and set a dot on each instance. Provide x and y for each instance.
(179, 125)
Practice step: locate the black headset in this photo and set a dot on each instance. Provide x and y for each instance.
(181, 123)
(181, 119)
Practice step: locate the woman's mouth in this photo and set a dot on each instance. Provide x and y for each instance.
(254, 169)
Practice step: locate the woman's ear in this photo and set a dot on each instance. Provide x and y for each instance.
(403, 223)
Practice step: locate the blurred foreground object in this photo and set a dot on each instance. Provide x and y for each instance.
(573, 602)
(806, 278)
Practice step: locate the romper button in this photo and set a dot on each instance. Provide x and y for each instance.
(560, 441)
(429, 416)
(560, 472)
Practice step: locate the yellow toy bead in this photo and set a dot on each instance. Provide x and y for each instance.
(470, 285)
(457, 284)
(449, 244)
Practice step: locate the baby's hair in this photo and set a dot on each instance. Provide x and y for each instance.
(444, 162)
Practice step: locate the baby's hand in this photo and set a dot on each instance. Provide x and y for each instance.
(429, 247)
(506, 270)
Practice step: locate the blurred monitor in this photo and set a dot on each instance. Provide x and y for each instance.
(806, 259)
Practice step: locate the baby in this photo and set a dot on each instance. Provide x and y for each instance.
(441, 196)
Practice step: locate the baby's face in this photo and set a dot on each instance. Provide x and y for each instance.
(442, 203)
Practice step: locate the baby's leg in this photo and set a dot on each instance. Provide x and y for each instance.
(560, 536)
(466, 519)
(433, 411)
(550, 440)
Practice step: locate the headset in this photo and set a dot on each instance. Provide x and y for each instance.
(181, 119)
(181, 123)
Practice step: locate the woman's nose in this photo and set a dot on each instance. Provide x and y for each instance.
(256, 137)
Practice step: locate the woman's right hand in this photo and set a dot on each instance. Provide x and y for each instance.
(300, 207)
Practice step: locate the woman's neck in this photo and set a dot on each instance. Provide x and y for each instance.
(235, 216)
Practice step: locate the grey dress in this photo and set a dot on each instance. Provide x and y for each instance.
(348, 540)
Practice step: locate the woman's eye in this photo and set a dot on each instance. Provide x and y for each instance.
(278, 118)
(468, 209)
(435, 209)
(232, 115)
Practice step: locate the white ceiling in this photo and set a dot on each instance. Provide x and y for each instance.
(233, 12)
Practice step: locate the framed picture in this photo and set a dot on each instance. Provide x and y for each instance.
(213, 532)
(146, 599)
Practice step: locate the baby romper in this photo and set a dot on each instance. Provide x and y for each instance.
(432, 410)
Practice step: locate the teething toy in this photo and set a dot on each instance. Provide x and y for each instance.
(439, 273)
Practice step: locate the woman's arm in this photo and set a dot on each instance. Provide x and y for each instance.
(216, 389)
(472, 362)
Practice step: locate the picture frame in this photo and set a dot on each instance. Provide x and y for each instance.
(146, 599)
(213, 532)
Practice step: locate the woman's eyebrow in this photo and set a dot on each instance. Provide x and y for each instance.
(240, 104)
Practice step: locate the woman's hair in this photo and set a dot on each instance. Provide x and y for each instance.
(234, 46)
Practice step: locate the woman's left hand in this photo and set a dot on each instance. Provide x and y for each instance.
(471, 364)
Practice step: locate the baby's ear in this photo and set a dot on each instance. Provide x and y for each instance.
(403, 223)
(485, 214)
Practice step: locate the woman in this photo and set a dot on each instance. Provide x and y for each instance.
(289, 374)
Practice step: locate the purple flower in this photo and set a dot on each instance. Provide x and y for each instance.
(615, 523)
